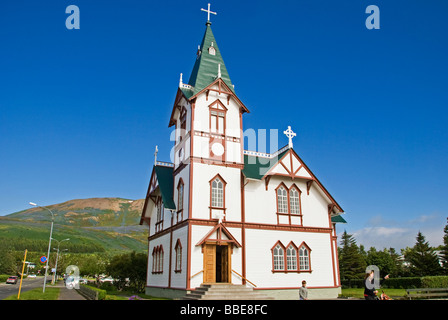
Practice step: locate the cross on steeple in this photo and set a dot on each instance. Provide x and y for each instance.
(208, 12)
(290, 134)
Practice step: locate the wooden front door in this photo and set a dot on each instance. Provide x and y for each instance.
(209, 263)
(217, 266)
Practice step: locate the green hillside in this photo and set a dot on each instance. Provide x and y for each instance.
(93, 225)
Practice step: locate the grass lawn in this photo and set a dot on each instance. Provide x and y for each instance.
(37, 294)
(126, 295)
(359, 293)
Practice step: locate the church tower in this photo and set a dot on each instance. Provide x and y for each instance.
(208, 153)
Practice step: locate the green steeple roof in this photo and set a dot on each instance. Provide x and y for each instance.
(205, 69)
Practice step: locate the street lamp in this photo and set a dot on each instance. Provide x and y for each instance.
(49, 242)
(57, 257)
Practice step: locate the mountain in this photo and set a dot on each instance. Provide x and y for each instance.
(93, 225)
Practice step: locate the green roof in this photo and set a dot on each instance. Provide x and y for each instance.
(166, 182)
(256, 167)
(338, 219)
(205, 69)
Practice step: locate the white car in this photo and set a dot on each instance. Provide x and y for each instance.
(31, 276)
(107, 279)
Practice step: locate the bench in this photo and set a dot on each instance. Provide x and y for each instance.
(426, 293)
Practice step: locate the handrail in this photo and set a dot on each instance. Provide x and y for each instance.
(196, 274)
(244, 278)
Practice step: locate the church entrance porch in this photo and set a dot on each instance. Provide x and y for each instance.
(217, 263)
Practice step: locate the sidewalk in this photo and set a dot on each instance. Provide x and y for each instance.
(68, 294)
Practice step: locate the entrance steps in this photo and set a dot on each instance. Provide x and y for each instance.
(225, 291)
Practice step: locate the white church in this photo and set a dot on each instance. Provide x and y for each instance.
(221, 214)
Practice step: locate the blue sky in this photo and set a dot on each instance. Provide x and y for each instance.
(82, 110)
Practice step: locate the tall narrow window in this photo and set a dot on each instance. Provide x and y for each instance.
(180, 200)
(217, 193)
(180, 196)
(304, 258)
(279, 258)
(183, 125)
(217, 119)
(294, 201)
(291, 258)
(178, 250)
(160, 209)
(282, 200)
(160, 264)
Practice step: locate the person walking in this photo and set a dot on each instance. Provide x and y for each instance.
(303, 291)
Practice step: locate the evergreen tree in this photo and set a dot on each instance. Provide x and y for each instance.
(422, 259)
(398, 269)
(352, 264)
(444, 250)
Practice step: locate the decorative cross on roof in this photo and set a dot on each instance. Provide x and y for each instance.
(290, 134)
(208, 12)
(155, 155)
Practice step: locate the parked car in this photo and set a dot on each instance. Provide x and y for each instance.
(12, 280)
(31, 276)
(107, 279)
(83, 281)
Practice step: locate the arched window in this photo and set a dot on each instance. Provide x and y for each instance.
(217, 193)
(180, 200)
(291, 258)
(304, 258)
(178, 250)
(282, 200)
(157, 259)
(279, 257)
(294, 200)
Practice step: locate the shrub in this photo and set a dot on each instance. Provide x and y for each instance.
(435, 282)
(403, 283)
(101, 293)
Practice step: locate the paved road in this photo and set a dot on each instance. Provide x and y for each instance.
(28, 283)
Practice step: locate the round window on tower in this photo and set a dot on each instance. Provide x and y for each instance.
(217, 149)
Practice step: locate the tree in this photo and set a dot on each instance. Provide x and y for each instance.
(137, 277)
(382, 259)
(422, 259)
(7, 262)
(444, 249)
(128, 269)
(397, 270)
(119, 269)
(352, 264)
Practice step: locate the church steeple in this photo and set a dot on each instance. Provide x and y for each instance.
(208, 66)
